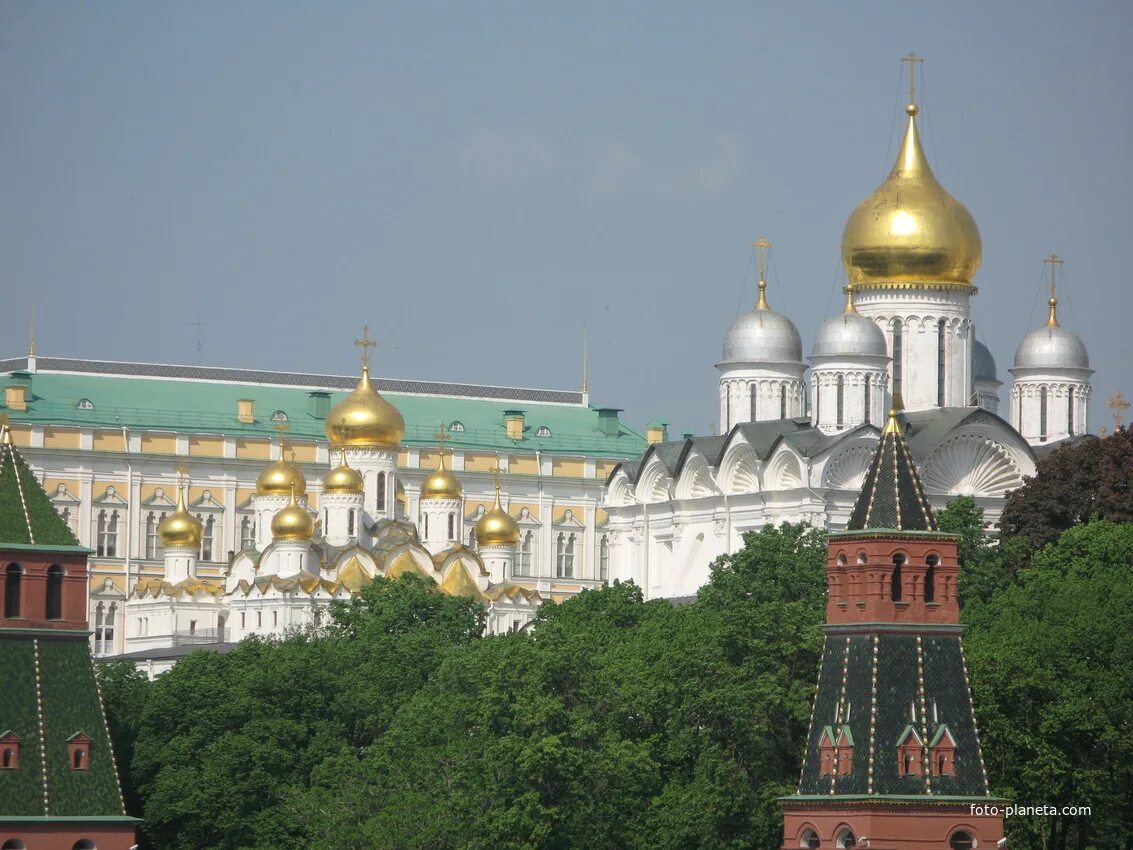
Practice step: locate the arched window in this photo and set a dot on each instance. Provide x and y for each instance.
(961, 841)
(53, 609)
(753, 391)
(526, 547)
(1042, 412)
(207, 538)
(783, 402)
(13, 844)
(941, 337)
(78, 760)
(845, 838)
(279, 416)
(84, 844)
(1070, 413)
(8, 761)
(152, 522)
(451, 526)
(727, 408)
(930, 579)
(564, 556)
(107, 542)
(809, 840)
(817, 400)
(841, 399)
(895, 578)
(426, 526)
(13, 576)
(350, 524)
(456, 425)
(472, 537)
(543, 431)
(604, 558)
(84, 404)
(898, 352)
(381, 491)
(868, 401)
(247, 533)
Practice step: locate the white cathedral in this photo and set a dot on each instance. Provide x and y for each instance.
(301, 561)
(789, 450)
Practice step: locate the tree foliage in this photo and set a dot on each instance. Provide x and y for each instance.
(1089, 479)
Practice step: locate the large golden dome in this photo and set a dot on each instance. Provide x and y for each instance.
(292, 523)
(343, 479)
(497, 527)
(441, 484)
(364, 419)
(278, 478)
(180, 528)
(911, 230)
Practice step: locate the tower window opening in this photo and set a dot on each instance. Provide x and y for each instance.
(868, 401)
(604, 559)
(895, 578)
(381, 499)
(727, 407)
(898, 351)
(1070, 413)
(1042, 413)
(426, 524)
(783, 402)
(930, 579)
(961, 841)
(752, 393)
(53, 608)
(451, 526)
(817, 400)
(941, 338)
(350, 523)
(526, 547)
(13, 577)
(840, 399)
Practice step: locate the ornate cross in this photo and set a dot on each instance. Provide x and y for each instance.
(182, 474)
(912, 59)
(495, 470)
(1055, 261)
(1118, 405)
(762, 245)
(365, 343)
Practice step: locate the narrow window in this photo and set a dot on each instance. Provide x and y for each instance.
(98, 629)
(727, 408)
(243, 620)
(451, 526)
(53, 609)
(817, 400)
(274, 619)
(898, 354)
(100, 535)
(841, 399)
(78, 761)
(564, 566)
(426, 524)
(207, 539)
(523, 564)
(1042, 413)
(381, 491)
(112, 535)
(1070, 413)
(604, 559)
(930, 579)
(868, 401)
(350, 524)
(108, 628)
(895, 578)
(941, 336)
(783, 402)
(9, 758)
(66, 515)
(247, 533)
(151, 536)
(753, 392)
(192, 627)
(472, 538)
(12, 578)
(259, 619)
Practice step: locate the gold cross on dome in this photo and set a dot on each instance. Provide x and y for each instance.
(1118, 405)
(182, 473)
(495, 470)
(912, 59)
(442, 435)
(365, 343)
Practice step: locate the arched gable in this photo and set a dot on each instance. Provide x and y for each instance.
(695, 480)
(739, 469)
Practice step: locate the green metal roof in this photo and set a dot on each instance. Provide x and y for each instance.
(28, 520)
(209, 407)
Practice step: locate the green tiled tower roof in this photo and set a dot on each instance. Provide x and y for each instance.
(27, 517)
(892, 496)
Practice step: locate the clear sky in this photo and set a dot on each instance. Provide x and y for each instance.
(478, 181)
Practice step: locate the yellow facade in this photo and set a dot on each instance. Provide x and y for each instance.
(52, 484)
(253, 449)
(523, 465)
(479, 461)
(109, 441)
(568, 467)
(560, 513)
(603, 468)
(206, 446)
(60, 438)
(164, 444)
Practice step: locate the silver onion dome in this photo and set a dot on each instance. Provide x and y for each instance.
(1052, 347)
(983, 364)
(763, 336)
(849, 335)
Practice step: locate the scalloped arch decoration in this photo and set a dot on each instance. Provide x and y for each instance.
(740, 471)
(654, 486)
(695, 481)
(847, 470)
(787, 474)
(621, 491)
(971, 465)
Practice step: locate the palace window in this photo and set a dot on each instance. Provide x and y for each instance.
(564, 556)
(841, 399)
(604, 558)
(1042, 412)
(1070, 413)
(868, 402)
(153, 520)
(104, 617)
(13, 577)
(207, 538)
(247, 533)
(526, 549)
(898, 351)
(53, 605)
(941, 337)
(472, 537)
(107, 534)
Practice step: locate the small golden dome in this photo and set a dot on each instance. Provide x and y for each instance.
(911, 230)
(292, 523)
(497, 527)
(442, 484)
(278, 478)
(180, 528)
(365, 419)
(343, 479)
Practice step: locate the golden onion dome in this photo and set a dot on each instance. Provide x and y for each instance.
(278, 478)
(365, 419)
(292, 522)
(911, 230)
(497, 527)
(343, 479)
(441, 484)
(180, 528)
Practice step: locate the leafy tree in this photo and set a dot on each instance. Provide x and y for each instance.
(986, 565)
(1051, 662)
(125, 690)
(1088, 479)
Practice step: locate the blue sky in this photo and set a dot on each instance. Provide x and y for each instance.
(478, 181)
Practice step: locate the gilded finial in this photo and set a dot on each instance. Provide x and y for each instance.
(182, 481)
(365, 343)
(1052, 318)
(892, 426)
(912, 59)
(442, 437)
(585, 361)
(495, 470)
(762, 245)
(850, 308)
(1118, 405)
(5, 431)
(31, 322)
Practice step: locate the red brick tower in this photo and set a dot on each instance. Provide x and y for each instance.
(893, 757)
